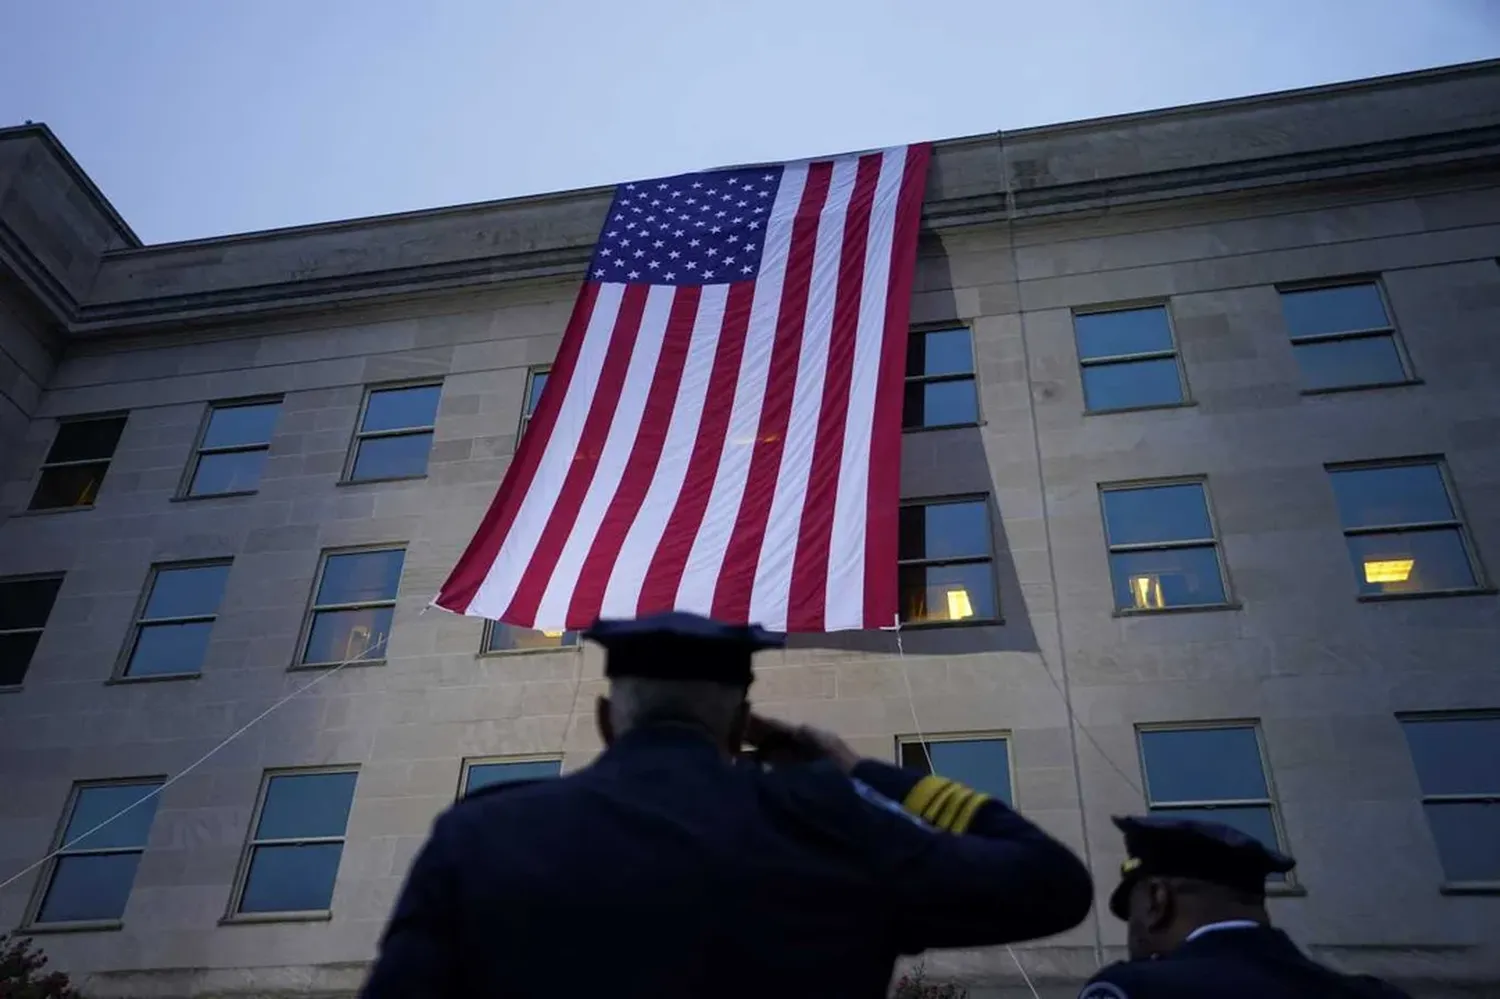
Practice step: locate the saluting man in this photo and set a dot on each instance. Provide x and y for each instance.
(1194, 897)
(668, 869)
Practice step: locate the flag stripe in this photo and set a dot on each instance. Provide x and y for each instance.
(736, 576)
(586, 586)
(808, 579)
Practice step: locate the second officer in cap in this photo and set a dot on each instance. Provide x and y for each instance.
(1193, 896)
(668, 869)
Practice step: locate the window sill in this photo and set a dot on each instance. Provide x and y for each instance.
(150, 678)
(505, 653)
(47, 511)
(1185, 609)
(1467, 591)
(81, 926)
(1184, 404)
(250, 918)
(1469, 888)
(942, 426)
(1336, 389)
(982, 622)
(194, 498)
(314, 667)
(371, 482)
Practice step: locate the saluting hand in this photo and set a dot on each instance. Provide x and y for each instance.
(780, 742)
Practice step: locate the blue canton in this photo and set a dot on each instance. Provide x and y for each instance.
(699, 228)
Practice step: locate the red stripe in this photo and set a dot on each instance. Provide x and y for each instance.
(659, 588)
(464, 581)
(881, 597)
(808, 594)
(533, 584)
(737, 574)
(640, 469)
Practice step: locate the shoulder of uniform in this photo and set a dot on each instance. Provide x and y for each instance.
(1114, 981)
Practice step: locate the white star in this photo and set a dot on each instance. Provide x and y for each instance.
(652, 264)
(765, 194)
(691, 265)
(754, 225)
(677, 232)
(634, 275)
(711, 192)
(708, 274)
(734, 239)
(611, 233)
(661, 187)
(696, 184)
(624, 242)
(662, 226)
(639, 254)
(630, 225)
(712, 252)
(700, 223)
(650, 218)
(598, 273)
(693, 242)
(658, 244)
(746, 270)
(715, 228)
(741, 204)
(769, 176)
(636, 209)
(749, 247)
(619, 217)
(692, 201)
(728, 261)
(670, 276)
(737, 220)
(605, 252)
(655, 202)
(676, 194)
(760, 211)
(703, 207)
(630, 187)
(674, 255)
(619, 262)
(725, 198)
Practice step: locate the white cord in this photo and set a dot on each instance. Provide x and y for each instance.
(192, 766)
(911, 701)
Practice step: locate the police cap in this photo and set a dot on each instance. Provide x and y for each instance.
(1191, 848)
(681, 646)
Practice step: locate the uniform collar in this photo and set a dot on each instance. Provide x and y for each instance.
(659, 737)
(1227, 924)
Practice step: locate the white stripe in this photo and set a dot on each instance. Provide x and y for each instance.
(504, 575)
(701, 574)
(623, 593)
(845, 597)
(778, 550)
(619, 444)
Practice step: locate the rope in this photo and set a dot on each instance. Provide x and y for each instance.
(154, 792)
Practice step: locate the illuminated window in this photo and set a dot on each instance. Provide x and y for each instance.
(1403, 529)
(25, 605)
(1129, 359)
(1215, 773)
(232, 449)
(76, 463)
(1343, 337)
(353, 601)
(483, 773)
(945, 551)
(395, 433)
(501, 637)
(97, 851)
(1457, 758)
(982, 763)
(292, 858)
(176, 618)
(940, 388)
(535, 384)
(1163, 551)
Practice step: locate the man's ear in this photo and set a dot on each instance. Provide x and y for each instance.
(1161, 904)
(603, 721)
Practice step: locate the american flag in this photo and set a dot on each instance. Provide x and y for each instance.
(721, 430)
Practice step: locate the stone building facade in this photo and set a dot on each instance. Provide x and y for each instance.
(1204, 356)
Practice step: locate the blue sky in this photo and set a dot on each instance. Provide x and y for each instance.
(202, 117)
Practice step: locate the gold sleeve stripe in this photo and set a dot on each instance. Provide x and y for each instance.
(920, 796)
(936, 806)
(952, 805)
(961, 823)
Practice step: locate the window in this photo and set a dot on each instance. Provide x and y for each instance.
(940, 390)
(1216, 774)
(1163, 552)
(534, 386)
(483, 773)
(1402, 528)
(1458, 767)
(293, 855)
(350, 619)
(171, 634)
(1343, 337)
(395, 433)
(76, 463)
(983, 764)
(25, 605)
(232, 450)
(945, 572)
(90, 878)
(502, 637)
(1129, 359)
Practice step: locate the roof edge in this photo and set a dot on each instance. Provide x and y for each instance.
(80, 176)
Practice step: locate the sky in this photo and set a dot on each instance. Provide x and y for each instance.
(198, 118)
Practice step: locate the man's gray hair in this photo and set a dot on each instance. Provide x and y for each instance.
(635, 700)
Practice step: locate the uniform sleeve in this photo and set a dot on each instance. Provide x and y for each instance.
(1110, 984)
(417, 956)
(980, 875)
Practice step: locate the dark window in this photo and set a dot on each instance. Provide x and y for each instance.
(983, 764)
(1163, 552)
(171, 635)
(76, 463)
(395, 433)
(502, 637)
(293, 855)
(350, 619)
(233, 450)
(940, 388)
(534, 386)
(1458, 766)
(1129, 359)
(483, 773)
(1403, 530)
(945, 562)
(25, 605)
(1343, 337)
(1215, 774)
(90, 877)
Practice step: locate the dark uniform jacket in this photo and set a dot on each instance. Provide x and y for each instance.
(664, 871)
(1238, 963)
